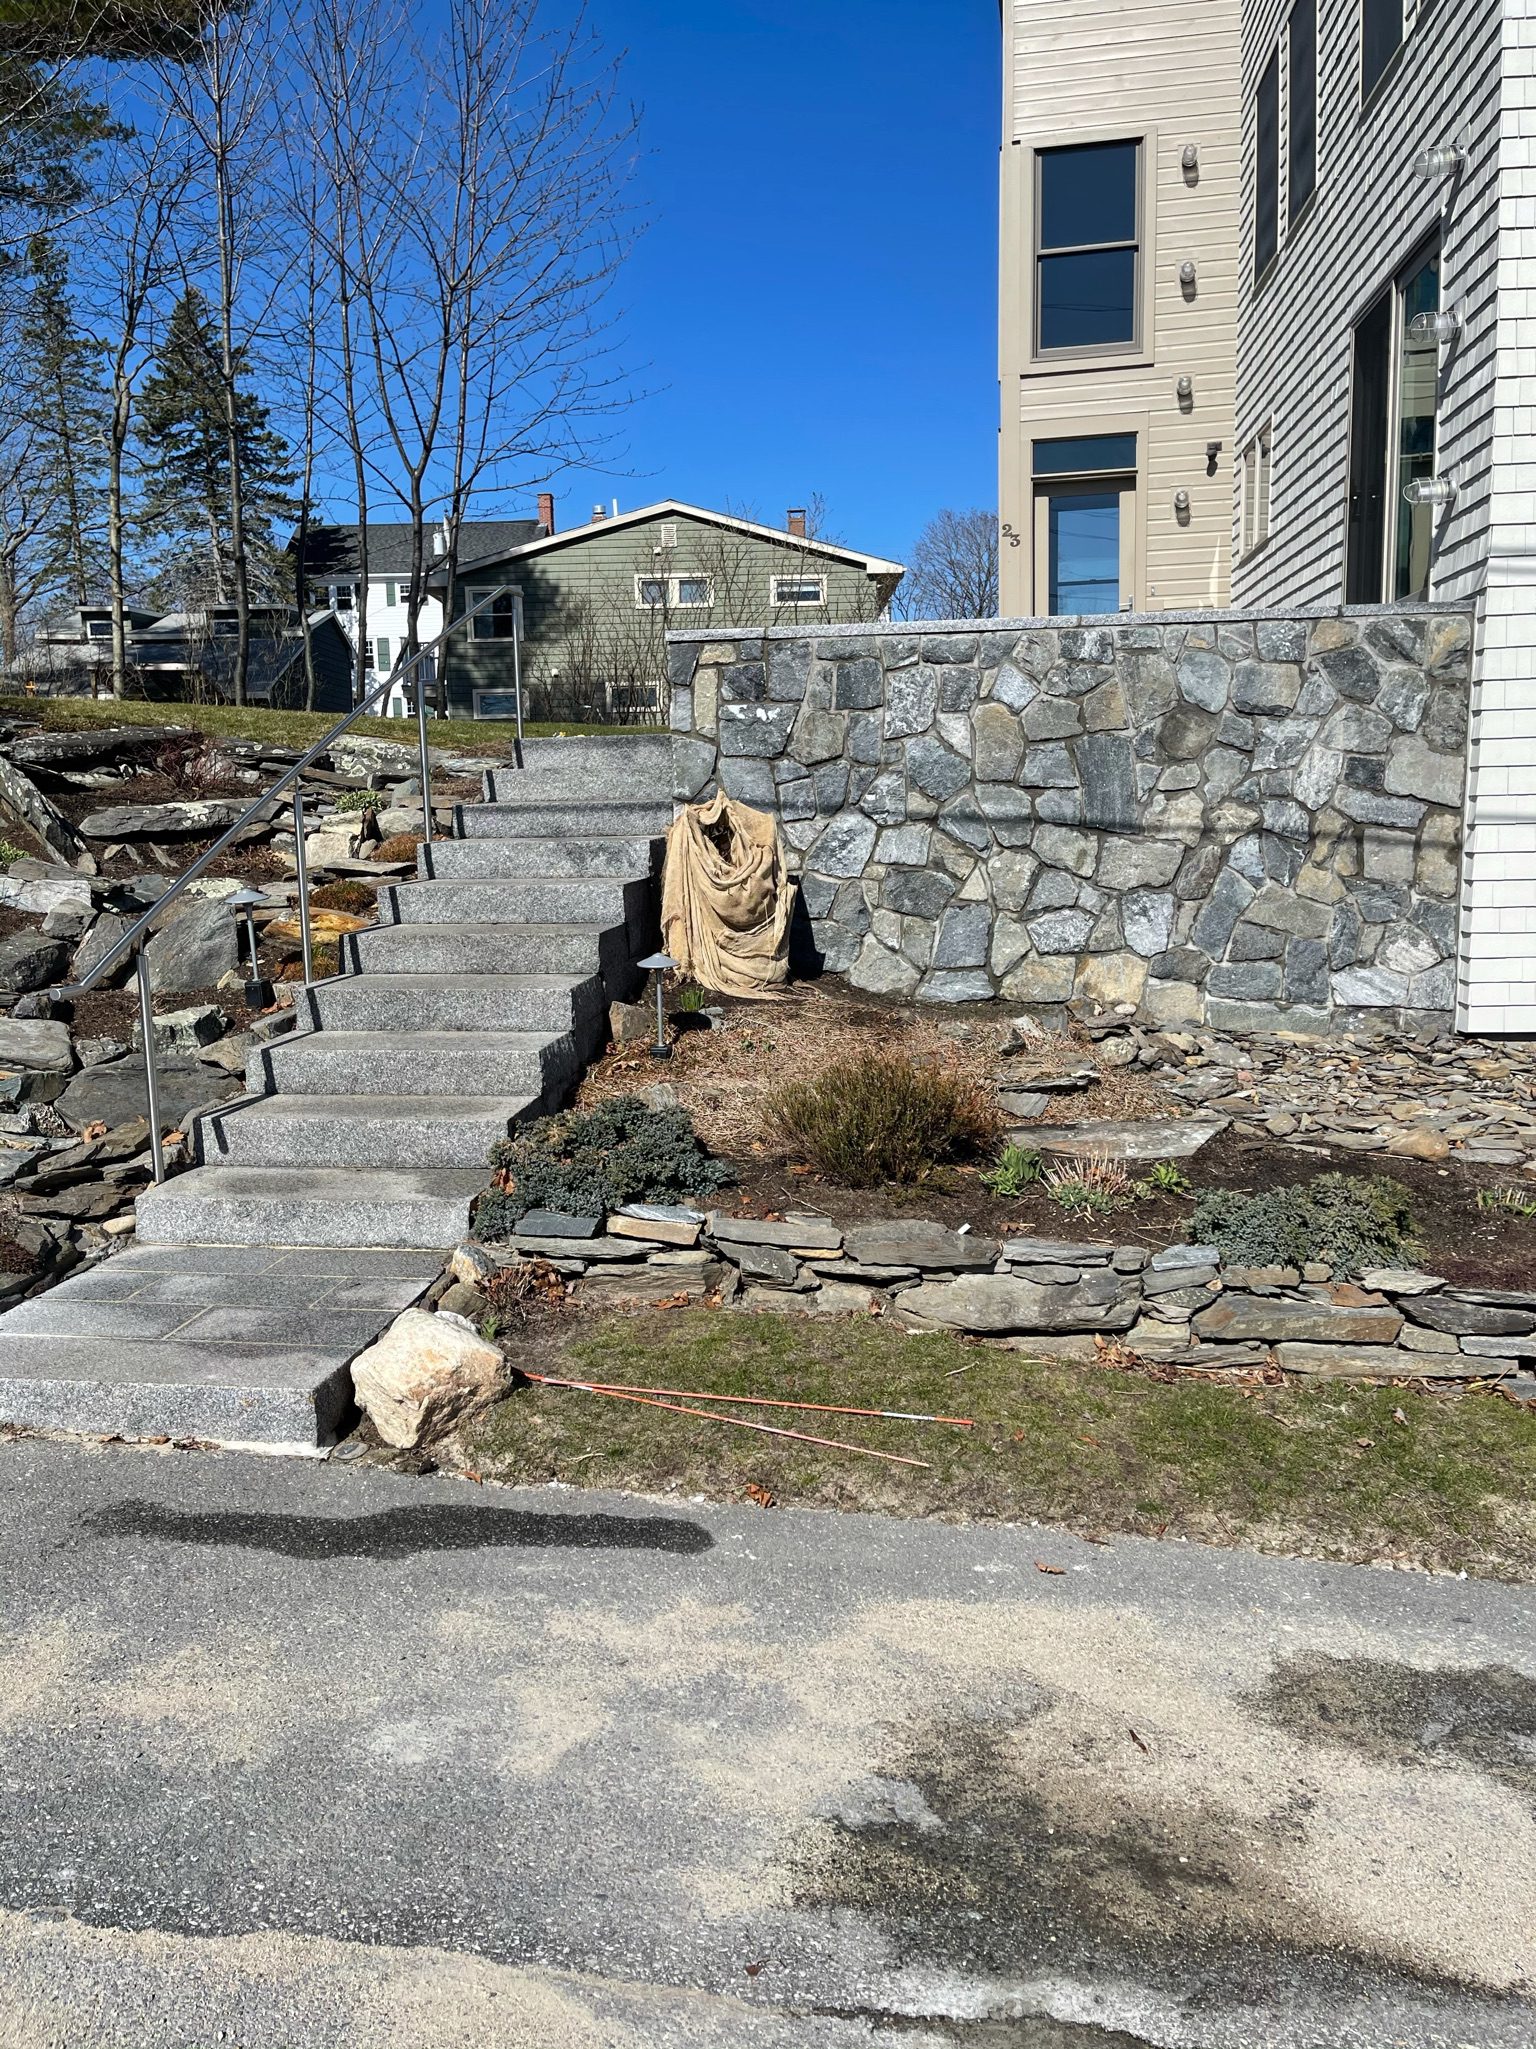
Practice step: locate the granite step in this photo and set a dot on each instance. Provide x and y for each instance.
(605, 858)
(424, 1208)
(467, 1003)
(419, 1063)
(533, 900)
(575, 950)
(543, 817)
(359, 1131)
(624, 767)
(245, 1347)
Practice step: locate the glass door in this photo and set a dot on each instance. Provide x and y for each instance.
(1085, 524)
(1394, 407)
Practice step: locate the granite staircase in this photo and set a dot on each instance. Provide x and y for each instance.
(326, 1195)
(475, 1002)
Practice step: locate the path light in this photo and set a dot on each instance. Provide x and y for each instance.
(258, 993)
(659, 964)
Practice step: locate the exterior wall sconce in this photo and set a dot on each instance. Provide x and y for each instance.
(1186, 389)
(1187, 275)
(1438, 328)
(1181, 507)
(1438, 492)
(1444, 160)
(1191, 157)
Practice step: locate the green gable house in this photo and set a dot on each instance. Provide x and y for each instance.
(587, 611)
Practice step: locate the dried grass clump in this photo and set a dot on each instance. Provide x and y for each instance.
(401, 848)
(884, 1117)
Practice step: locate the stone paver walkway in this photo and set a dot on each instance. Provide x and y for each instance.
(244, 1344)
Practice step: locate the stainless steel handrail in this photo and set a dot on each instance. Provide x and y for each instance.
(138, 932)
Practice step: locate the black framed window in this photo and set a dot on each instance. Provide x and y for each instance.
(1381, 36)
(1088, 247)
(1301, 177)
(1266, 181)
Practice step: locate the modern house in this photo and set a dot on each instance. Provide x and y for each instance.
(1120, 181)
(586, 624)
(1370, 334)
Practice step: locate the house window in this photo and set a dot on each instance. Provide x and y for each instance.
(1266, 183)
(499, 620)
(1085, 496)
(667, 535)
(226, 629)
(98, 629)
(1256, 488)
(1301, 171)
(674, 593)
(1393, 429)
(381, 649)
(1087, 247)
(367, 654)
(798, 590)
(342, 601)
(390, 594)
(1383, 25)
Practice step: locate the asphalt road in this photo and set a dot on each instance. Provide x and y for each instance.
(309, 1757)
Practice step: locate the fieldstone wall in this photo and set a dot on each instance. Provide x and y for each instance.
(1240, 819)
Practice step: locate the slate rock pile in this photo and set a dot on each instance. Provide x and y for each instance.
(1181, 1306)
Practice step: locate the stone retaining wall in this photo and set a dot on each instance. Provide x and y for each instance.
(1240, 819)
(1181, 1306)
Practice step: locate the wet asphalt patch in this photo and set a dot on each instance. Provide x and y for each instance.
(1484, 1718)
(989, 1865)
(400, 1532)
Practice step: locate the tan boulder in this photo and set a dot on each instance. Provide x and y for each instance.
(423, 1374)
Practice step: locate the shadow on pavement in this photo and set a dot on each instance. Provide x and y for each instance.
(398, 1532)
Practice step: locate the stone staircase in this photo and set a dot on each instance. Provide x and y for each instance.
(475, 1002)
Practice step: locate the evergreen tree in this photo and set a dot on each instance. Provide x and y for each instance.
(63, 408)
(184, 437)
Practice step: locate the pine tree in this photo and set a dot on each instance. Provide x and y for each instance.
(63, 408)
(185, 443)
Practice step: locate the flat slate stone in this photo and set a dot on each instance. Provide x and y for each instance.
(1178, 1279)
(1184, 1255)
(550, 1223)
(796, 1234)
(115, 1093)
(1145, 1139)
(1055, 1252)
(1372, 1362)
(1401, 1280)
(1470, 1319)
(603, 1250)
(920, 1243)
(1499, 1348)
(1002, 1304)
(770, 1264)
(1274, 1319)
(655, 1230)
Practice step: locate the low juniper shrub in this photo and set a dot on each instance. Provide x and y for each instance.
(1353, 1221)
(588, 1162)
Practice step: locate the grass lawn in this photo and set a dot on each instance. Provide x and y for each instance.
(286, 728)
(1323, 1471)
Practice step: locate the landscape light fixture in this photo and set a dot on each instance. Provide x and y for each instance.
(1437, 328)
(659, 964)
(1438, 492)
(258, 993)
(1444, 160)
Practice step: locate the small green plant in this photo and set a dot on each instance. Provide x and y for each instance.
(1519, 1202)
(1350, 1221)
(1088, 1187)
(9, 851)
(691, 997)
(586, 1163)
(490, 1326)
(861, 1122)
(357, 800)
(1018, 1167)
(1166, 1177)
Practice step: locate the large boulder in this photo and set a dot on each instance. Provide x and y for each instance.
(998, 1305)
(423, 1374)
(65, 753)
(162, 821)
(40, 1044)
(113, 1092)
(195, 946)
(28, 960)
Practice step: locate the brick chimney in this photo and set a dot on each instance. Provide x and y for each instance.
(547, 511)
(599, 514)
(797, 522)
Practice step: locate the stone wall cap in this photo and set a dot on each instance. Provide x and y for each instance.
(906, 629)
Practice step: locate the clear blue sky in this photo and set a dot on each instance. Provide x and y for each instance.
(813, 307)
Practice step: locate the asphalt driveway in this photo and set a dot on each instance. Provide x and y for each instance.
(327, 1758)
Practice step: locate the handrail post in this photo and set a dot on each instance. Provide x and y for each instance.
(517, 675)
(301, 866)
(421, 742)
(151, 1078)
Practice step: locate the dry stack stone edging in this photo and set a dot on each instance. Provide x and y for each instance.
(1242, 819)
(1182, 1306)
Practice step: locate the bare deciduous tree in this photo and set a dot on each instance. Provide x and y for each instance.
(953, 573)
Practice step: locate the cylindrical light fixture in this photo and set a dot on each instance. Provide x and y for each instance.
(1191, 157)
(1437, 328)
(1438, 492)
(659, 965)
(1444, 160)
(1187, 273)
(1186, 387)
